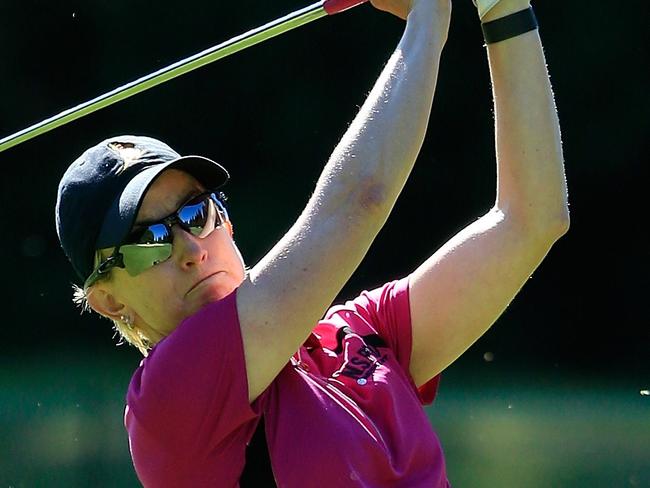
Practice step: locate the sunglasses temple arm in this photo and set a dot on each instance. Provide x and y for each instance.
(115, 260)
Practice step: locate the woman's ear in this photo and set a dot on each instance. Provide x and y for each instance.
(104, 303)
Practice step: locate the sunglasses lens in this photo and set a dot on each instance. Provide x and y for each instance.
(199, 218)
(140, 257)
(155, 234)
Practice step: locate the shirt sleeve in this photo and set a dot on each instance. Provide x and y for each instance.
(389, 311)
(188, 415)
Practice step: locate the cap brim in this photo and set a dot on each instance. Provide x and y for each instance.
(122, 213)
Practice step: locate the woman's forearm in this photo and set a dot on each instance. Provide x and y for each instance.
(531, 184)
(368, 168)
(376, 154)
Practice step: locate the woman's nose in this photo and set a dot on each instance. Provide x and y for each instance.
(189, 250)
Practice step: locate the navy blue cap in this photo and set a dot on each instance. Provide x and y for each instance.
(100, 193)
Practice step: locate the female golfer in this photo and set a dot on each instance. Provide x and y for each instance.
(340, 389)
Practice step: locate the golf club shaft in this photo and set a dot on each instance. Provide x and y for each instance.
(231, 46)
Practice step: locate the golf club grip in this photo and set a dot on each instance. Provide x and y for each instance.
(335, 6)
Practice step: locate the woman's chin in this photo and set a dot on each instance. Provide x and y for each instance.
(208, 292)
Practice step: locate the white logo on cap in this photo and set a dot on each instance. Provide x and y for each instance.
(127, 153)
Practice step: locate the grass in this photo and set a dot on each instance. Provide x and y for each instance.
(61, 426)
(529, 433)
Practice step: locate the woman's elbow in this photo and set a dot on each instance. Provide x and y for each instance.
(555, 226)
(545, 228)
(564, 222)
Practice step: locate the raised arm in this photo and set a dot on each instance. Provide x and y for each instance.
(289, 290)
(458, 293)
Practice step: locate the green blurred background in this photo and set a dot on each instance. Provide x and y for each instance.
(549, 397)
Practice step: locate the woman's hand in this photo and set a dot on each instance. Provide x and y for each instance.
(403, 8)
(400, 8)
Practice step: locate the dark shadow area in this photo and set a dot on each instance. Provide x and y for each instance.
(570, 354)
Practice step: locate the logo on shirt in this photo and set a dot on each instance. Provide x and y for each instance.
(361, 354)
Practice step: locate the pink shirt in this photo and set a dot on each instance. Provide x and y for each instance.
(344, 411)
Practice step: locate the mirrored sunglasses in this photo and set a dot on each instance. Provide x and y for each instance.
(149, 244)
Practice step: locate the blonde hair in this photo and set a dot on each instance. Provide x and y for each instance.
(126, 332)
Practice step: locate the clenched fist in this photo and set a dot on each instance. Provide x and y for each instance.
(401, 8)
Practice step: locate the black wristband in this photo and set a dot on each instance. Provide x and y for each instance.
(509, 26)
